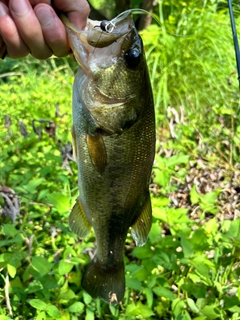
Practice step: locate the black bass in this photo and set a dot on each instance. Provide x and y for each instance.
(114, 145)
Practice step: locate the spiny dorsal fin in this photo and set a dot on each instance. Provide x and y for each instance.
(97, 151)
(78, 221)
(141, 228)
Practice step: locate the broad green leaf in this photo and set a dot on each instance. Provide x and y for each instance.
(38, 304)
(41, 316)
(41, 265)
(187, 247)
(210, 312)
(133, 283)
(76, 307)
(89, 315)
(160, 213)
(143, 252)
(11, 270)
(9, 230)
(211, 226)
(176, 160)
(162, 177)
(60, 202)
(4, 318)
(155, 233)
(32, 185)
(53, 312)
(194, 196)
(66, 295)
(86, 297)
(178, 305)
(160, 201)
(149, 295)
(192, 305)
(65, 267)
(164, 292)
(139, 309)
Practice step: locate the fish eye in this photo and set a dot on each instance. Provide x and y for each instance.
(133, 57)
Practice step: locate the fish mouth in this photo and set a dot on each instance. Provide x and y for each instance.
(94, 44)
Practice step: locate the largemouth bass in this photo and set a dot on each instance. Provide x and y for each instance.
(114, 145)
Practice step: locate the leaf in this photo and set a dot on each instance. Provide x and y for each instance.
(133, 283)
(139, 308)
(211, 226)
(160, 213)
(177, 159)
(76, 307)
(210, 312)
(41, 265)
(9, 230)
(187, 247)
(89, 315)
(11, 270)
(41, 316)
(162, 177)
(65, 267)
(194, 196)
(192, 305)
(164, 292)
(155, 233)
(178, 305)
(38, 304)
(32, 185)
(5, 318)
(53, 312)
(60, 202)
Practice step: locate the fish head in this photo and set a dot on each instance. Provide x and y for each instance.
(112, 58)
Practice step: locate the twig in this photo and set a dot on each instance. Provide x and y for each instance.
(8, 304)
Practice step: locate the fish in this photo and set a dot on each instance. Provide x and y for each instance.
(113, 136)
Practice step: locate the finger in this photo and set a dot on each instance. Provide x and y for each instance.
(29, 28)
(77, 10)
(35, 2)
(53, 30)
(16, 47)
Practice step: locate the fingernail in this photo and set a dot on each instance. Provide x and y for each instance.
(3, 10)
(44, 16)
(20, 7)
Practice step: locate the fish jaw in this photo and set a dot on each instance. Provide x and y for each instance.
(92, 45)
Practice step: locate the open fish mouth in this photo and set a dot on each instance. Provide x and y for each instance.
(98, 40)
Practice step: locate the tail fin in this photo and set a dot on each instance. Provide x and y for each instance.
(106, 283)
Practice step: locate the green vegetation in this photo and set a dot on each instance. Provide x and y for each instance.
(190, 266)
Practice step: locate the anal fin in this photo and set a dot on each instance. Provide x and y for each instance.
(141, 228)
(78, 221)
(97, 151)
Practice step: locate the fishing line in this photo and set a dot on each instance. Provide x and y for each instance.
(124, 14)
(235, 38)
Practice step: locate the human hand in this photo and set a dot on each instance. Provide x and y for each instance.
(32, 26)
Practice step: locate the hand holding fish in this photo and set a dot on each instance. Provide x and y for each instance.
(32, 26)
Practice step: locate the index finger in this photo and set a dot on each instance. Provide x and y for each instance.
(77, 11)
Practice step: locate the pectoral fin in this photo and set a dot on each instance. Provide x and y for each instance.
(141, 228)
(74, 144)
(97, 151)
(78, 221)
